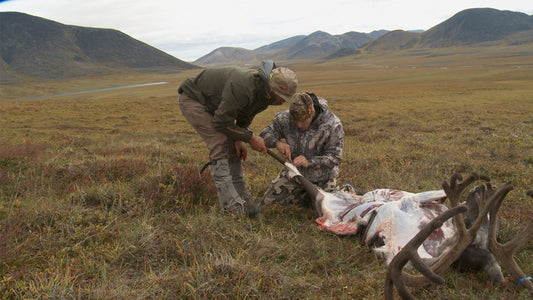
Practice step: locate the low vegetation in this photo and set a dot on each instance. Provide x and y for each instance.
(101, 194)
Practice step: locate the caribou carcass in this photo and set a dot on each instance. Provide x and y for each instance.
(391, 218)
(416, 227)
(487, 200)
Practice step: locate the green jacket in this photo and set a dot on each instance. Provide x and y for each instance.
(233, 96)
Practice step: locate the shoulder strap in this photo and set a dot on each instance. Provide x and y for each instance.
(314, 97)
(317, 106)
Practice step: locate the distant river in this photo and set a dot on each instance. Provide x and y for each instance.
(98, 90)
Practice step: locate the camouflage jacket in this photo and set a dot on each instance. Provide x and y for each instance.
(321, 143)
(233, 96)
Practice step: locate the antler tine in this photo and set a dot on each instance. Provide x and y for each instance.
(457, 185)
(451, 187)
(455, 189)
(489, 199)
(409, 253)
(499, 195)
(466, 236)
(505, 252)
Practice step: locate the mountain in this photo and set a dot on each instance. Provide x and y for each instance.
(468, 27)
(40, 48)
(281, 44)
(240, 56)
(317, 44)
(343, 52)
(475, 26)
(394, 40)
(230, 56)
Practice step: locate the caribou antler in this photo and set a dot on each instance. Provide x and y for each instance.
(409, 253)
(454, 189)
(504, 252)
(489, 202)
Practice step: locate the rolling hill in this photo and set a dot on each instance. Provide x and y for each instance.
(476, 26)
(231, 56)
(468, 27)
(40, 48)
(317, 44)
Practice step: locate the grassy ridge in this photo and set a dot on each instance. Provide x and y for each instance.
(101, 195)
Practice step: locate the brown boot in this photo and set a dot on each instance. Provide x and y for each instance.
(248, 209)
(252, 209)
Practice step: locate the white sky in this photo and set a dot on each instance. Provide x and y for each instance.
(193, 28)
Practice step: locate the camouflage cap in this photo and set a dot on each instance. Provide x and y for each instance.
(283, 82)
(301, 107)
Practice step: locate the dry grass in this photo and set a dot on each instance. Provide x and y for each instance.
(101, 195)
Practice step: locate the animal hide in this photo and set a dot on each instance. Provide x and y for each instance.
(392, 217)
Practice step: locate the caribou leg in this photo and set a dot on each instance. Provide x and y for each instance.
(312, 190)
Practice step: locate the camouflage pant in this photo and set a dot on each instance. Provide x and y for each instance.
(285, 191)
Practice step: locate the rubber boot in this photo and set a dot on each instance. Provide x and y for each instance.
(239, 183)
(228, 196)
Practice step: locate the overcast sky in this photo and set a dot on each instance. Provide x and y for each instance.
(193, 28)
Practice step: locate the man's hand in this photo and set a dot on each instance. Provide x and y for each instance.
(258, 144)
(301, 161)
(241, 150)
(284, 149)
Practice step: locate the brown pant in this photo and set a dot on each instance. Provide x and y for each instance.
(218, 144)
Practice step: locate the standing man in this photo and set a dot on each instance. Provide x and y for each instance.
(314, 139)
(220, 104)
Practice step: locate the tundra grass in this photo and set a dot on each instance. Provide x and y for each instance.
(101, 195)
